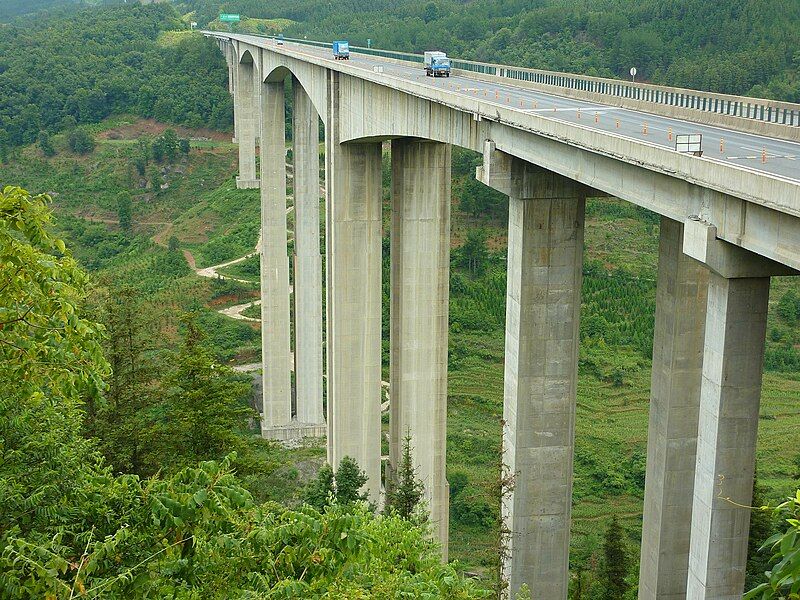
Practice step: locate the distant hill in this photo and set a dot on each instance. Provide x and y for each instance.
(15, 8)
(737, 46)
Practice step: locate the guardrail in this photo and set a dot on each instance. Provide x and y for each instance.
(725, 105)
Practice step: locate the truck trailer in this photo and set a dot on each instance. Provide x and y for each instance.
(437, 64)
(341, 50)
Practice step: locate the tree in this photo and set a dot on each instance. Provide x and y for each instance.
(124, 210)
(157, 149)
(614, 568)
(184, 146)
(203, 411)
(405, 491)
(322, 490)
(156, 181)
(473, 254)
(45, 145)
(173, 244)
(122, 421)
(349, 481)
(80, 141)
(783, 579)
(170, 144)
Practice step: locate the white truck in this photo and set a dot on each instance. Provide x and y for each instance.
(437, 64)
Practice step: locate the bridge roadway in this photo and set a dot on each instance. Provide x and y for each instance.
(745, 150)
(711, 306)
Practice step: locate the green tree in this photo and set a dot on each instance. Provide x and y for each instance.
(404, 493)
(124, 210)
(321, 491)
(170, 144)
(80, 141)
(615, 566)
(157, 149)
(45, 145)
(173, 244)
(156, 180)
(473, 254)
(121, 421)
(184, 146)
(203, 411)
(783, 579)
(349, 481)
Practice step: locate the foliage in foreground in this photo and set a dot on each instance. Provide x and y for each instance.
(70, 528)
(783, 579)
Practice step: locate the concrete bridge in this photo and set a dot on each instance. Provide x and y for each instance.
(730, 221)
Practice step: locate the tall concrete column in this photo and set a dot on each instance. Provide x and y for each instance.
(247, 121)
(674, 407)
(353, 264)
(307, 261)
(420, 280)
(545, 258)
(275, 335)
(729, 403)
(730, 394)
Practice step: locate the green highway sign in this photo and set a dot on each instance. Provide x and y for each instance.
(228, 18)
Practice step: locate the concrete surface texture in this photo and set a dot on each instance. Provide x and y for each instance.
(674, 407)
(307, 260)
(420, 283)
(275, 328)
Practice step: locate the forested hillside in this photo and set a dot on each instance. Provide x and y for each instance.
(79, 67)
(737, 46)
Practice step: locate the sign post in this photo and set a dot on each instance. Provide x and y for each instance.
(633, 74)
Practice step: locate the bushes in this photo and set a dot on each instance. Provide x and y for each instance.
(80, 141)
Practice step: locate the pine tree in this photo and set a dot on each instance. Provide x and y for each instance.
(615, 566)
(124, 210)
(321, 491)
(119, 422)
(349, 481)
(405, 493)
(45, 145)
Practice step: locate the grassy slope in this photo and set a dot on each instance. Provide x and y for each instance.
(217, 222)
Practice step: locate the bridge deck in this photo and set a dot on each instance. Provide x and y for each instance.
(753, 152)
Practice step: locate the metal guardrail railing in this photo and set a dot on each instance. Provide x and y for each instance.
(768, 111)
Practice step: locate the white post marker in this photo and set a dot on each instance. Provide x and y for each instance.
(633, 74)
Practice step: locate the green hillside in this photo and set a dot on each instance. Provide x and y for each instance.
(214, 222)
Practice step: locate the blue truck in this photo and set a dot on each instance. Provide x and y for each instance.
(341, 50)
(437, 64)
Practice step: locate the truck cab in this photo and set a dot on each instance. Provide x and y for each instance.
(437, 64)
(341, 50)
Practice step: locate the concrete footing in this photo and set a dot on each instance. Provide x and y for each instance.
(674, 407)
(294, 431)
(247, 184)
(420, 279)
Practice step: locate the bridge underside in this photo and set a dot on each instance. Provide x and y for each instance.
(713, 282)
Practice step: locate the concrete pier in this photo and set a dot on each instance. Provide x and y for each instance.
(307, 261)
(353, 181)
(726, 444)
(545, 259)
(420, 280)
(674, 408)
(247, 121)
(275, 335)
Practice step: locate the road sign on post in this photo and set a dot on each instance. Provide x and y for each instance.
(690, 144)
(229, 18)
(633, 73)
